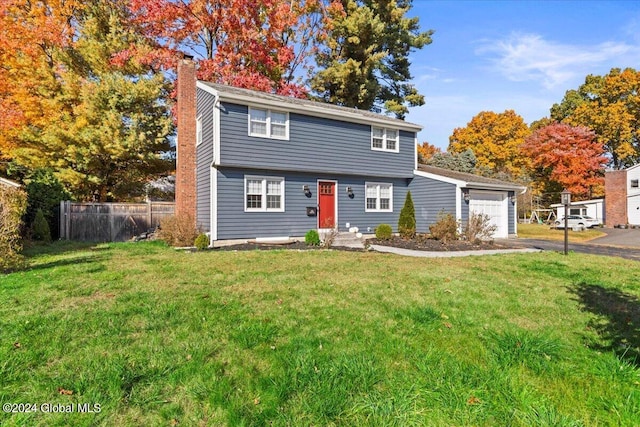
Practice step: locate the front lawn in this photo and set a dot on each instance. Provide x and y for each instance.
(163, 338)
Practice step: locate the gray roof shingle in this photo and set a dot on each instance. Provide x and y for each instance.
(469, 178)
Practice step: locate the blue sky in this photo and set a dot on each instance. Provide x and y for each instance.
(519, 55)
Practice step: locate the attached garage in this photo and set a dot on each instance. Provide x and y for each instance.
(435, 189)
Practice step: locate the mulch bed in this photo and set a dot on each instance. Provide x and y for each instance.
(421, 243)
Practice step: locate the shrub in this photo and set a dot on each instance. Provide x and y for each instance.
(13, 204)
(445, 228)
(202, 242)
(384, 232)
(479, 227)
(312, 238)
(45, 192)
(178, 231)
(407, 220)
(41, 230)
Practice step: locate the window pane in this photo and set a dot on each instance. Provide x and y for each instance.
(377, 143)
(278, 118)
(372, 191)
(385, 191)
(254, 201)
(392, 134)
(378, 132)
(278, 130)
(384, 204)
(258, 115)
(258, 122)
(273, 202)
(254, 186)
(371, 203)
(258, 128)
(273, 187)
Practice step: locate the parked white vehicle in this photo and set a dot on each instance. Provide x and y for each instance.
(583, 221)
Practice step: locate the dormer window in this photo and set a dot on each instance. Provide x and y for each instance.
(268, 123)
(384, 139)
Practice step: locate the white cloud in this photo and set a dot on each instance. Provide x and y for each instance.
(528, 57)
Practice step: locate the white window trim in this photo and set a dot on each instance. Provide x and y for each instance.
(377, 185)
(264, 180)
(199, 135)
(269, 133)
(384, 140)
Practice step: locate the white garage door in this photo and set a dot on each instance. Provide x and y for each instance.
(493, 204)
(633, 209)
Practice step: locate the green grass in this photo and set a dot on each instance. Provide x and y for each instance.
(287, 338)
(543, 231)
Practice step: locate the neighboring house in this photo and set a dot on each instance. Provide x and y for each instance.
(593, 208)
(622, 196)
(253, 165)
(9, 183)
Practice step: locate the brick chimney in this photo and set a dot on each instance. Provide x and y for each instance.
(186, 141)
(615, 201)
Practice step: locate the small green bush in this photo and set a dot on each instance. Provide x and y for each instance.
(178, 231)
(41, 230)
(445, 228)
(202, 242)
(407, 220)
(312, 238)
(384, 232)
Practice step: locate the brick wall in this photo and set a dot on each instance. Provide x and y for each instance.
(615, 190)
(186, 141)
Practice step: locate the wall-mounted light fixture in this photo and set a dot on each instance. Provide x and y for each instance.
(513, 199)
(466, 196)
(307, 191)
(349, 191)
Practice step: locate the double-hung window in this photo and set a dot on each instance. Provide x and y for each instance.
(268, 123)
(263, 194)
(384, 139)
(379, 197)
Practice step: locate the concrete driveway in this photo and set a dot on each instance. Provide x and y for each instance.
(618, 242)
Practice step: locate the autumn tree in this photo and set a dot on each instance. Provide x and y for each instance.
(495, 139)
(101, 128)
(565, 156)
(426, 151)
(257, 45)
(610, 106)
(364, 59)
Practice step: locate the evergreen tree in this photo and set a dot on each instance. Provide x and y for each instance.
(365, 58)
(407, 220)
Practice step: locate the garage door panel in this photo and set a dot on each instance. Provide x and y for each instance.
(493, 204)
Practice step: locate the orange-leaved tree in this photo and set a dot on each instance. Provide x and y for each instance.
(495, 139)
(565, 156)
(257, 44)
(426, 151)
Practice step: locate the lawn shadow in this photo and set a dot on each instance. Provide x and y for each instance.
(618, 319)
(59, 247)
(85, 259)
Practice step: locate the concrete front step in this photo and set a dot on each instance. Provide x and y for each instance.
(348, 240)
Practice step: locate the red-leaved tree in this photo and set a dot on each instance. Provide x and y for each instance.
(565, 156)
(255, 44)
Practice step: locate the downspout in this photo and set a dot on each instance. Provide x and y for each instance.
(213, 178)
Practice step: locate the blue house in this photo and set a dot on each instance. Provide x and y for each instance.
(254, 165)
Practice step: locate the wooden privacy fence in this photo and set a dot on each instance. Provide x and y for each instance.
(110, 222)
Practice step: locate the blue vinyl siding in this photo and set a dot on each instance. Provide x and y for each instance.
(204, 156)
(315, 145)
(235, 223)
(430, 197)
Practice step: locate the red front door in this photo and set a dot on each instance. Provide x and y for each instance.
(326, 204)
